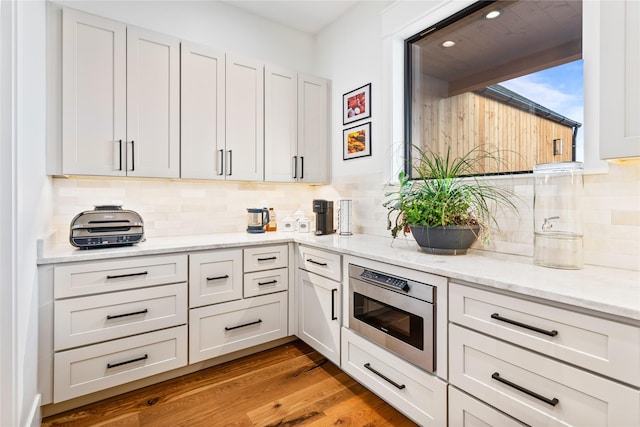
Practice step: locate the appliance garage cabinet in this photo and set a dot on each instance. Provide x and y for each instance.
(539, 364)
(319, 290)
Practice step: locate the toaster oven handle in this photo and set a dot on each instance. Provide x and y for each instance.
(120, 276)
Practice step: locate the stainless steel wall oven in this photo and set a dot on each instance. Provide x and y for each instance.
(395, 313)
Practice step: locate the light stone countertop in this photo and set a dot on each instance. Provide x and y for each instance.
(606, 290)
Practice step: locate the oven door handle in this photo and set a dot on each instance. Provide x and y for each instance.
(384, 377)
(333, 304)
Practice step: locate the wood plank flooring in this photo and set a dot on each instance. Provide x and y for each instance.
(290, 385)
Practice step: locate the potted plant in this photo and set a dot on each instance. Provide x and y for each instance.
(448, 206)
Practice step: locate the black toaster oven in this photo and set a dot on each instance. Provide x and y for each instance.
(106, 226)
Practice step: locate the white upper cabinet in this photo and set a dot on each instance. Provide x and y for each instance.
(620, 79)
(244, 156)
(120, 97)
(93, 94)
(313, 129)
(280, 124)
(203, 112)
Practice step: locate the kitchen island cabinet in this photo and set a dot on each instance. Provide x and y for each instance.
(120, 99)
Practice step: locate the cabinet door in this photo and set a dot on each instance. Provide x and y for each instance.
(93, 94)
(202, 125)
(280, 124)
(313, 134)
(153, 104)
(244, 157)
(620, 79)
(320, 316)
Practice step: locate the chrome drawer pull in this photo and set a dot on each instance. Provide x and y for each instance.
(226, 276)
(271, 282)
(120, 276)
(553, 402)
(390, 381)
(522, 325)
(268, 259)
(323, 264)
(230, 328)
(115, 365)
(116, 316)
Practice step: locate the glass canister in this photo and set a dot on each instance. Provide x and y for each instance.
(557, 215)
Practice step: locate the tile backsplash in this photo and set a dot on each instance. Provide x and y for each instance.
(182, 207)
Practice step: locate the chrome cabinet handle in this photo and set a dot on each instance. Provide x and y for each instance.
(120, 276)
(497, 316)
(384, 377)
(553, 402)
(230, 328)
(117, 316)
(137, 359)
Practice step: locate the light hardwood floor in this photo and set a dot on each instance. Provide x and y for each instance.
(290, 385)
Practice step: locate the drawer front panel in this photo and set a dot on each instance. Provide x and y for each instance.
(89, 369)
(535, 389)
(91, 319)
(215, 277)
(266, 282)
(266, 258)
(236, 325)
(420, 396)
(107, 276)
(601, 345)
(465, 411)
(325, 264)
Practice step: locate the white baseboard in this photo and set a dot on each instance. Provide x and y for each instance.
(35, 416)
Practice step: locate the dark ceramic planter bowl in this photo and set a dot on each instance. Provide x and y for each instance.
(445, 240)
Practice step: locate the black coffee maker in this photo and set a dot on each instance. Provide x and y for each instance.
(324, 216)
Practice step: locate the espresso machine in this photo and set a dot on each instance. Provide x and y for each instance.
(324, 216)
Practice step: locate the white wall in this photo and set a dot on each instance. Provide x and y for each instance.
(27, 202)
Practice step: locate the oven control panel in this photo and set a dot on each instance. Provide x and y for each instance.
(384, 279)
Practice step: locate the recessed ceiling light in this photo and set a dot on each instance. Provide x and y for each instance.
(448, 43)
(492, 14)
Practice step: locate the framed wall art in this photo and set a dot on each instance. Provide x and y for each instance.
(356, 141)
(356, 105)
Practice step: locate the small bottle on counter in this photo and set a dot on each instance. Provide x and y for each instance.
(272, 225)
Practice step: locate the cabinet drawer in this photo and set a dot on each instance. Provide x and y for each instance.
(420, 396)
(266, 282)
(265, 258)
(106, 276)
(236, 325)
(536, 389)
(91, 319)
(215, 277)
(89, 369)
(600, 345)
(317, 261)
(465, 411)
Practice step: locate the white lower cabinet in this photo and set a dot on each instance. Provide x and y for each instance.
(96, 367)
(414, 392)
(466, 411)
(535, 389)
(319, 315)
(224, 328)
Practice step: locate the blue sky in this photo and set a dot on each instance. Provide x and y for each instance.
(559, 89)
